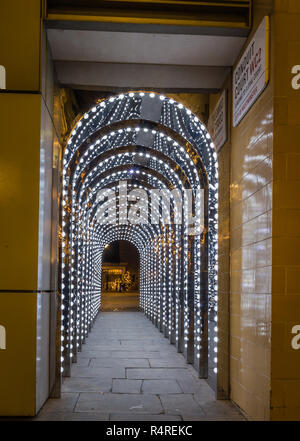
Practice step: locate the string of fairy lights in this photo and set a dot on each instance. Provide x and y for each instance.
(142, 142)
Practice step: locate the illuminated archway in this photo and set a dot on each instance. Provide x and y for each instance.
(147, 142)
(120, 273)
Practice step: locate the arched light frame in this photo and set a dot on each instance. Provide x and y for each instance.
(169, 114)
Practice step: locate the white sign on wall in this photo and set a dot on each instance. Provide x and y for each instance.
(217, 123)
(251, 75)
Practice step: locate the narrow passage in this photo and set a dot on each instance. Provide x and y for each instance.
(128, 371)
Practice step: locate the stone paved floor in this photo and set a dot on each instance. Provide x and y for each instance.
(128, 371)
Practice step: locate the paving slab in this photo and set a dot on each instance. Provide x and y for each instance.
(98, 342)
(103, 346)
(137, 340)
(74, 384)
(66, 403)
(72, 416)
(119, 362)
(192, 385)
(150, 348)
(128, 371)
(144, 417)
(180, 404)
(135, 354)
(156, 373)
(171, 362)
(98, 372)
(213, 408)
(127, 386)
(213, 418)
(171, 355)
(84, 362)
(119, 403)
(90, 353)
(161, 387)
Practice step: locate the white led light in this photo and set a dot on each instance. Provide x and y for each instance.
(164, 249)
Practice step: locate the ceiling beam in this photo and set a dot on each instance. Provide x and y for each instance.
(225, 14)
(122, 76)
(145, 28)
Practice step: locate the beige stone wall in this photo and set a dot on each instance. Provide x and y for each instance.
(245, 251)
(251, 251)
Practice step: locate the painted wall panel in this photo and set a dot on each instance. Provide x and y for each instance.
(20, 49)
(251, 251)
(19, 194)
(285, 360)
(17, 361)
(42, 349)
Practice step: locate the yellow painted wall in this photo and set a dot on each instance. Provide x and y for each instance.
(251, 251)
(17, 362)
(20, 37)
(264, 232)
(19, 206)
(285, 361)
(19, 196)
(25, 204)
